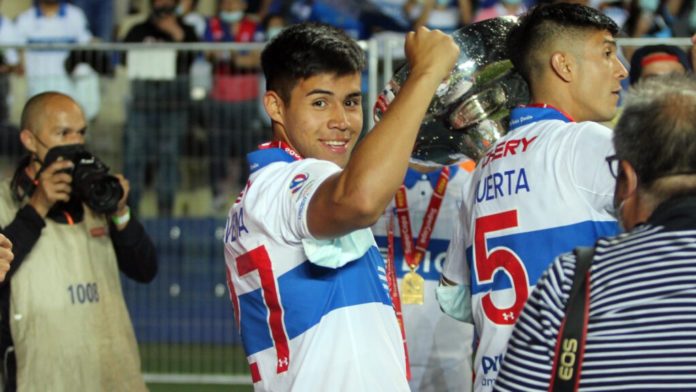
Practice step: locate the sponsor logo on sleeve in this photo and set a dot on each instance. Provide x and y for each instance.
(298, 182)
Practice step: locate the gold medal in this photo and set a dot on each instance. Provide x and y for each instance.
(412, 288)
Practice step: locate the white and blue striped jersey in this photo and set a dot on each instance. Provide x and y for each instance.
(641, 333)
(305, 327)
(439, 347)
(541, 190)
(45, 68)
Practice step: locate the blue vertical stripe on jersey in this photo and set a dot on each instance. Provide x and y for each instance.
(309, 292)
(537, 249)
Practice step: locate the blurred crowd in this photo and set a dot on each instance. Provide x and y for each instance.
(220, 91)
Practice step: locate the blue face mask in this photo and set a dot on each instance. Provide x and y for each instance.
(512, 2)
(273, 32)
(649, 5)
(337, 252)
(443, 3)
(455, 301)
(692, 18)
(231, 17)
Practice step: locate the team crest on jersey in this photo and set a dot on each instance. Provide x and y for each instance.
(297, 182)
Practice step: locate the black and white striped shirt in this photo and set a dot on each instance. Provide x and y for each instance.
(641, 334)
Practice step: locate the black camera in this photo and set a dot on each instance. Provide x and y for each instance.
(91, 181)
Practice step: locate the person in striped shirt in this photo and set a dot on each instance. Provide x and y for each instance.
(641, 330)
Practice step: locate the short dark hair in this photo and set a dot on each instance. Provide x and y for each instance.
(305, 50)
(656, 133)
(547, 22)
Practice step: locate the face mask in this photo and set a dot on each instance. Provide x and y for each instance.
(649, 5)
(455, 301)
(512, 2)
(337, 252)
(231, 17)
(273, 32)
(692, 18)
(179, 10)
(35, 156)
(443, 3)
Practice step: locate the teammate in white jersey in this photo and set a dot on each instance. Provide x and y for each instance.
(544, 188)
(424, 211)
(307, 282)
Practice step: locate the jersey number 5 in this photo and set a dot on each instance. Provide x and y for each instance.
(487, 263)
(258, 259)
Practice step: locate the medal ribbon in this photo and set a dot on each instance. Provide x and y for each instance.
(413, 253)
(281, 145)
(394, 289)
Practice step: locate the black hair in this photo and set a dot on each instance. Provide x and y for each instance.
(304, 50)
(545, 23)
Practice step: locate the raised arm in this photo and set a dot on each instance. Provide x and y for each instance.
(357, 196)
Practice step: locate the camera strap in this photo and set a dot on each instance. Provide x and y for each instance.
(570, 344)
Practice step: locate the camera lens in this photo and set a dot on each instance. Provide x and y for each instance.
(102, 195)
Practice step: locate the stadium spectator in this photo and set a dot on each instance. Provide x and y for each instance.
(65, 325)
(299, 233)
(638, 335)
(384, 15)
(158, 112)
(100, 17)
(500, 8)
(658, 18)
(232, 112)
(9, 63)
(446, 15)
(188, 11)
(259, 8)
(657, 60)
(439, 347)
(544, 187)
(50, 22)
(272, 25)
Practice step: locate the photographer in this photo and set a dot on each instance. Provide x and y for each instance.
(65, 325)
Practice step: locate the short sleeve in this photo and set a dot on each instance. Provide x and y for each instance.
(282, 194)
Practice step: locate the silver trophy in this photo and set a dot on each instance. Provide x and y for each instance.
(471, 108)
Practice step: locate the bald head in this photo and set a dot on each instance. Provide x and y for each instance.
(50, 119)
(44, 105)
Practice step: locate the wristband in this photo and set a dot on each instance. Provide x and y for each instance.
(123, 219)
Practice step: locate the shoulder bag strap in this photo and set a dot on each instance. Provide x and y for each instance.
(570, 346)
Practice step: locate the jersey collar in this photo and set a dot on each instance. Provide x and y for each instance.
(413, 176)
(61, 9)
(529, 114)
(269, 153)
